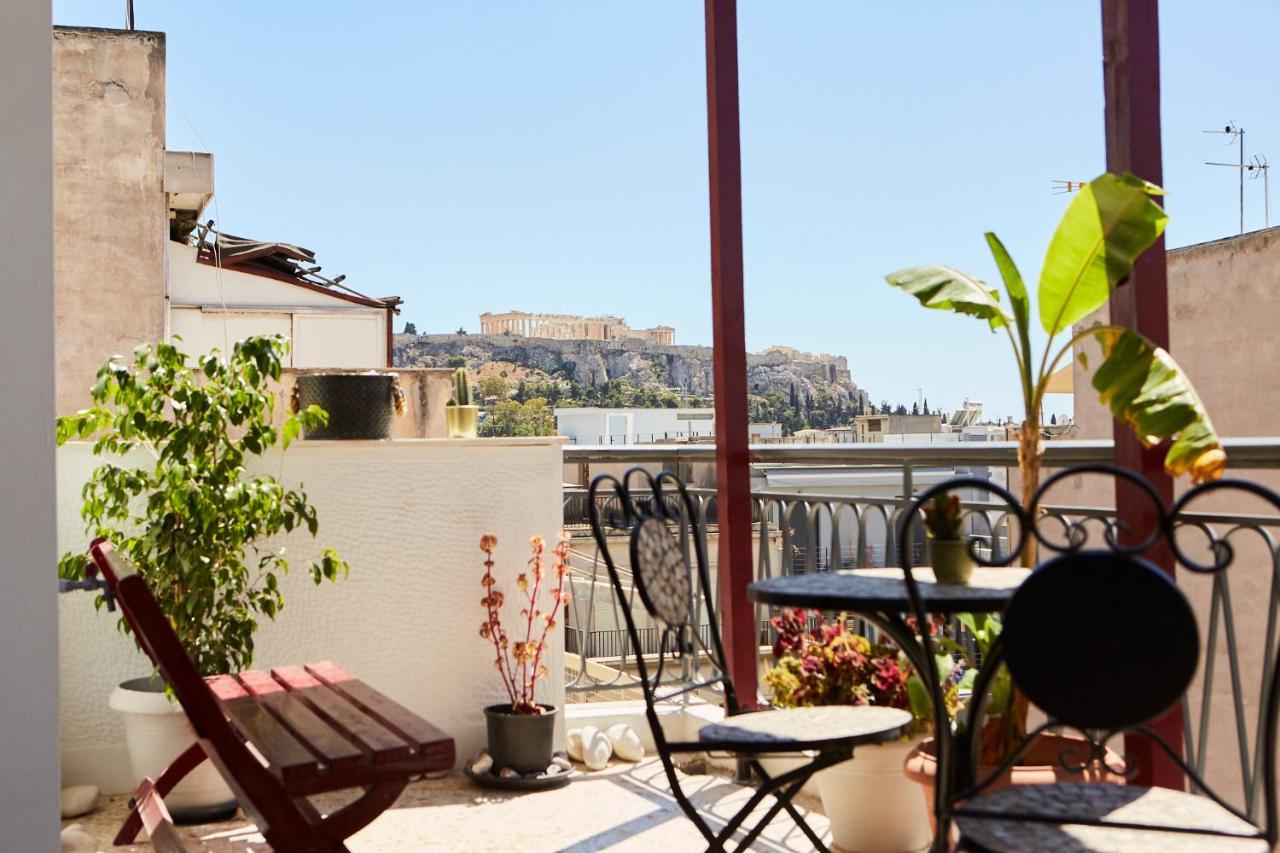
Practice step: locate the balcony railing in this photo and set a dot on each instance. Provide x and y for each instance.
(802, 531)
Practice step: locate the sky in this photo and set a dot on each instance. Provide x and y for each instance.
(551, 155)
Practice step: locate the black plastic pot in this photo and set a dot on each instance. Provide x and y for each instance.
(522, 742)
(360, 405)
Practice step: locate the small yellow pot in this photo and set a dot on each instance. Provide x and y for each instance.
(952, 562)
(462, 421)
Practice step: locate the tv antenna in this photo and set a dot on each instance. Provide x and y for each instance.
(1237, 135)
(1064, 187)
(1258, 166)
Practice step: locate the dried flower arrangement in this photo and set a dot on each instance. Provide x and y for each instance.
(520, 662)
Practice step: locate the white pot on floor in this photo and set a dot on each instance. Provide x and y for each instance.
(157, 731)
(871, 804)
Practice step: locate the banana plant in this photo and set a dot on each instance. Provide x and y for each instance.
(1107, 226)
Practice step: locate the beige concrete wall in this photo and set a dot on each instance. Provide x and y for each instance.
(1223, 319)
(407, 516)
(108, 200)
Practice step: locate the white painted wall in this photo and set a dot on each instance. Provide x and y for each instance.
(209, 309)
(28, 657)
(590, 425)
(407, 516)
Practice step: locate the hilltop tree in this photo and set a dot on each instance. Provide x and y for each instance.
(410, 329)
(493, 387)
(926, 406)
(915, 408)
(900, 410)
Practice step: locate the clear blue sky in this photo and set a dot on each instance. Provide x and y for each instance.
(551, 156)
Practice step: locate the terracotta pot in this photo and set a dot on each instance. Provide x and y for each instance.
(1043, 767)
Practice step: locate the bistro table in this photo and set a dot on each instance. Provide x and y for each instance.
(880, 596)
(872, 591)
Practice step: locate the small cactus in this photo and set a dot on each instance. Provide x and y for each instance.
(461, 388)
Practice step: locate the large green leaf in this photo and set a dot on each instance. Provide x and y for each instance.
(1107, 226)
(1146, 388)
(1012, 281)
(952, 290)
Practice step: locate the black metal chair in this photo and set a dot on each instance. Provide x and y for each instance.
(1103, 642)
(664, 526)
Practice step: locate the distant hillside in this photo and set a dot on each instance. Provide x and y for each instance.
(784, 387)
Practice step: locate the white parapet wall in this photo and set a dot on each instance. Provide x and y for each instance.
(407, 515)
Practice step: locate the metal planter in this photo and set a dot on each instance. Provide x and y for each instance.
(360, 405)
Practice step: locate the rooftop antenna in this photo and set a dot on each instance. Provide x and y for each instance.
(128, 15)
(1236, 134)
(1258, 166)
(1064, 187)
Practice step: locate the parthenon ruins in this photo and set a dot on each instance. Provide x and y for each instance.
(569, 327)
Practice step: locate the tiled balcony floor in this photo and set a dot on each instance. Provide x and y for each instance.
(625, 807)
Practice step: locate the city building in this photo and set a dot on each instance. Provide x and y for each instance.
(124, 270)
(570, 327)
(591, 425)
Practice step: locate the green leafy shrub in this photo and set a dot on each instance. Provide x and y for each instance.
(187, 514)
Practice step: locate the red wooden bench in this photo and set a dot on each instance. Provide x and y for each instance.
(276, 737)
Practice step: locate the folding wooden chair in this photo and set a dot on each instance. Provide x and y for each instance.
(277, 738)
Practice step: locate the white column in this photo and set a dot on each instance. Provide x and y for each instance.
(28, 599)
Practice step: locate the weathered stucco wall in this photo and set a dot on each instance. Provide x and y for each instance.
(1223, 316)
(108, 199)
(407, 516)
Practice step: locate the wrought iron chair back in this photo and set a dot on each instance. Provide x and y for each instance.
(1100, 639)
(670, 577)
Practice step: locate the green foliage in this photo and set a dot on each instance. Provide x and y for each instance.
(493, 387)
(1108, 225)
(1144, 388)
(511, 417)
(187, 514)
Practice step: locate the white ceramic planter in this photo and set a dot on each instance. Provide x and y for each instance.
(872, 806)
(156, 732)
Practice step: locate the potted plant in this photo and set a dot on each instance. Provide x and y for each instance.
(948, 546)
(172, 494)
(462, 415)
(522, 730)
(958, 668)
(872, 806)
(1112, 221)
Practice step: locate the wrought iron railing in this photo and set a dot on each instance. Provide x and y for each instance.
(808, 532)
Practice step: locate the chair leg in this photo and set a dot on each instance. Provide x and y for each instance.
(358, 813)
(784, 799)
(155, 817)
(189, 760)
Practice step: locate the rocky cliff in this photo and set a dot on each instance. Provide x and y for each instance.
(687, 369)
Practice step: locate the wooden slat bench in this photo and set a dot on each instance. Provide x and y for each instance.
(276, 737)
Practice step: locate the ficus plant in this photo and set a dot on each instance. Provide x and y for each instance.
(1112, 221)
(172, 492)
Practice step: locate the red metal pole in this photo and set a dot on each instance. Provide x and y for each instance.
(733, 473)
(1131, 78)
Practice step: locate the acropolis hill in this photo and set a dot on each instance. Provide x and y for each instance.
(777, 370)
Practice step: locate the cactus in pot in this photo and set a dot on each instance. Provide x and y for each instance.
(462, 415)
